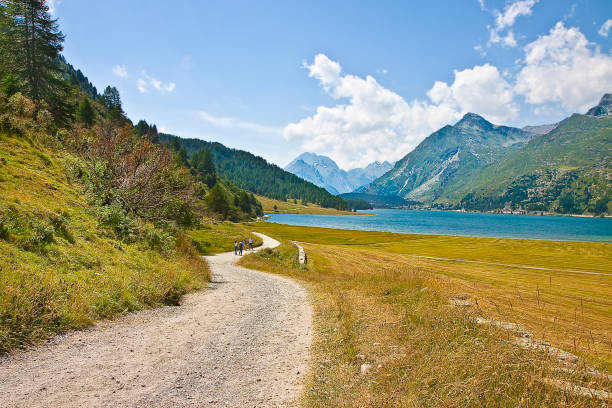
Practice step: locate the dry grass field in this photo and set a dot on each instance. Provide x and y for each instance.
(289, 207)
(377, 302)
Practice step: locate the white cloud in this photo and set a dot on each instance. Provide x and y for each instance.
(571, 12)
(482, 4)
(143, 84)
(564, 67)
(378, 124)
(605, 28)
(120, 71)
(480, 50)
(506, 19)
(234, 123)
(481, 90)
(52, 4)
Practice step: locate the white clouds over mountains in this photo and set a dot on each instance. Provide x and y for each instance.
(564, 67)
(371, 122)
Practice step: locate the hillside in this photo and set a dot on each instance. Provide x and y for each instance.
(255, 174)
(567, 170)
(448, 159)
(324, 172)
(66, 261)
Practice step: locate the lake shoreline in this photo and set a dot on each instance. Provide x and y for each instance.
(467, 224)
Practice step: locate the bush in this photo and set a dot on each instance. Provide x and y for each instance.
(159, 239)
(114, 216)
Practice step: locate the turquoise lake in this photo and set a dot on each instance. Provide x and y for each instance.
(463, 224)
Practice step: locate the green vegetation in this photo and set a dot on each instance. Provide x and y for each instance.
(214, 238)
(93, 211)
(255, 174)
(65, 262)
(374, 306)
(565, 171)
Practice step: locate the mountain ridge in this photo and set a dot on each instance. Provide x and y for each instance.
(324, 172)
(454, 150)
(476, 165)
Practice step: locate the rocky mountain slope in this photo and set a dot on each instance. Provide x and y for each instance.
(448, 159)
(568, 170)
(565, 168)
(324, 172)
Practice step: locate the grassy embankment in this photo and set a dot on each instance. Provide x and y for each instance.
(214, 238)
(61, 266)
(289, 207)
(374, 304)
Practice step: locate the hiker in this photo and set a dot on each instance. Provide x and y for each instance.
(240, 246)
(235, 247)
(251, 243)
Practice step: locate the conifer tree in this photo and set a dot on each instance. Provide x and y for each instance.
(85, 113)
(30, 46)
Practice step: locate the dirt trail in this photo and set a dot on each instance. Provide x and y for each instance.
(242, 342)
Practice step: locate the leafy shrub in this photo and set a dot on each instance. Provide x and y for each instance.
(159, 239)
(115, 216)
(40, 234)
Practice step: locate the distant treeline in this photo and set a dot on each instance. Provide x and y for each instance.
(255, 174)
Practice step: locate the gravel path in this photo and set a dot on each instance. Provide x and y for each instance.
(242, 342)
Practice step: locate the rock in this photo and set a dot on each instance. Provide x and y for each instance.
(365, 367)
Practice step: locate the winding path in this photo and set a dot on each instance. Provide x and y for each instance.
(242, 342)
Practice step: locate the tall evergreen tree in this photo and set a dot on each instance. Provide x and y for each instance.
(30, 46)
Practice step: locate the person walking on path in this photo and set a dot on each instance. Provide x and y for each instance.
(241, 246)
(251, 243)
(235, 247)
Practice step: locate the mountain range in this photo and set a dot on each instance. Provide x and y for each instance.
(476, 165)
(324, 172)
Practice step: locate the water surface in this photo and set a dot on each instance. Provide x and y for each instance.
(463, 224)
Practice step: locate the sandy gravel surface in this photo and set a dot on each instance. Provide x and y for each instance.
(242, 342)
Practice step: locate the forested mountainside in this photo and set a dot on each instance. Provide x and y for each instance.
(255, 174)
(324, 172)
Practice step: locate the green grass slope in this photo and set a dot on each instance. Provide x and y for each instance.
(566, 170)
(62, 264)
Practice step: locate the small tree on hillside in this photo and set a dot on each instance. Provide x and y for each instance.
(203, 163)
(85, 113)
(217, 202)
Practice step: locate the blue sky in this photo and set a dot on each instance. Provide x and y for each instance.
(357, 81)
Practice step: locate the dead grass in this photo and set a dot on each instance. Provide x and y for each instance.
(377, 307)
(289, 207)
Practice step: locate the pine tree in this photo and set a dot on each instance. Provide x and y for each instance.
(203, 163)
(217, 202)
(85, 113)
(30, 46)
